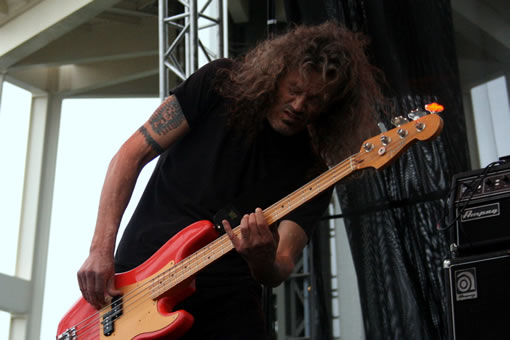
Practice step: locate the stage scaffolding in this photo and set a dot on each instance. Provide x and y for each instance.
(191, 33)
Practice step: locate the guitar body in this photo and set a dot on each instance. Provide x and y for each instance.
(142, 317)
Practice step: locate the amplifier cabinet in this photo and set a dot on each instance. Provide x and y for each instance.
(480, 206)
(478, 291)
(483, 225)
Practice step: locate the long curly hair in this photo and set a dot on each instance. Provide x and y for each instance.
(329, 49)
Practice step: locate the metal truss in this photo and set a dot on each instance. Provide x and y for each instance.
(294, 303)
(299, 286)
(180, 56)
(298, 300)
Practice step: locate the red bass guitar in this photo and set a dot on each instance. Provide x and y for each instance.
(150, 291)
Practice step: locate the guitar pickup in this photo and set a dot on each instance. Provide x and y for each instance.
(111, 316)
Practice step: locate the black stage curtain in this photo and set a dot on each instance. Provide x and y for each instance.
(392, 215)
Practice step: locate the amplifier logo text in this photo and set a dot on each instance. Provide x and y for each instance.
(479, 212)
(465, 284)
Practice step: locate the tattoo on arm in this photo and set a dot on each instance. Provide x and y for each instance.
(167, 117)
(148, 138)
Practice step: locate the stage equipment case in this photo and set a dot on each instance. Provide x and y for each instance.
(478, 289)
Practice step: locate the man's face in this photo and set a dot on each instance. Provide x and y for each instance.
(299, 102)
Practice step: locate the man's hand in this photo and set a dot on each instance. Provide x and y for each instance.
(257, 243)
(96, 280)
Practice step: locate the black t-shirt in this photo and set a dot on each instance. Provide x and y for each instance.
(208, 169)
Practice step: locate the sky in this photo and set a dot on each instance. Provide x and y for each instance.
(91, 131)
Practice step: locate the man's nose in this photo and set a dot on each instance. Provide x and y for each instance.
(298, 104)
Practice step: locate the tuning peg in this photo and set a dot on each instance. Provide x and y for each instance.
(434, 107)
(397, 121)
(382, 127)
(416, 114)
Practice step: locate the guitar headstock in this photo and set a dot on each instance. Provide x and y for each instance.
(380, 150)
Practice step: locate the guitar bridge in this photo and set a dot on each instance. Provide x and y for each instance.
(111, 316)
(69, 334)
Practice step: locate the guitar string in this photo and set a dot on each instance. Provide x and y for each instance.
(344, 165)
(389, 149)
(185, 271)
(164, 283)
(340, 165)
(181, 276)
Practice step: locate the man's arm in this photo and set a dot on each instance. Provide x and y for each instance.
(271, 252)
(164, 127)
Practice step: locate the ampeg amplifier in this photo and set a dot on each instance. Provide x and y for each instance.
(480, 208)
(478, 292)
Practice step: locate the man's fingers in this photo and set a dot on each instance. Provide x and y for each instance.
(261, 224)
(99, 291)
(89, 291)
(228, 230)
(259, 215)
(83, 286)
(111, 290)
(92, 287)
(97, 281)
(245, 226)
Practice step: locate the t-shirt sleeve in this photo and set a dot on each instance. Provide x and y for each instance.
(196, 95)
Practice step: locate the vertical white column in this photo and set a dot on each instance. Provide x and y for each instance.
(2, 78)
(36, 208)
(492, 120)
(500, 110)
(483, 125)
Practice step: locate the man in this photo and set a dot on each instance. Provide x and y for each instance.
(245, 133)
